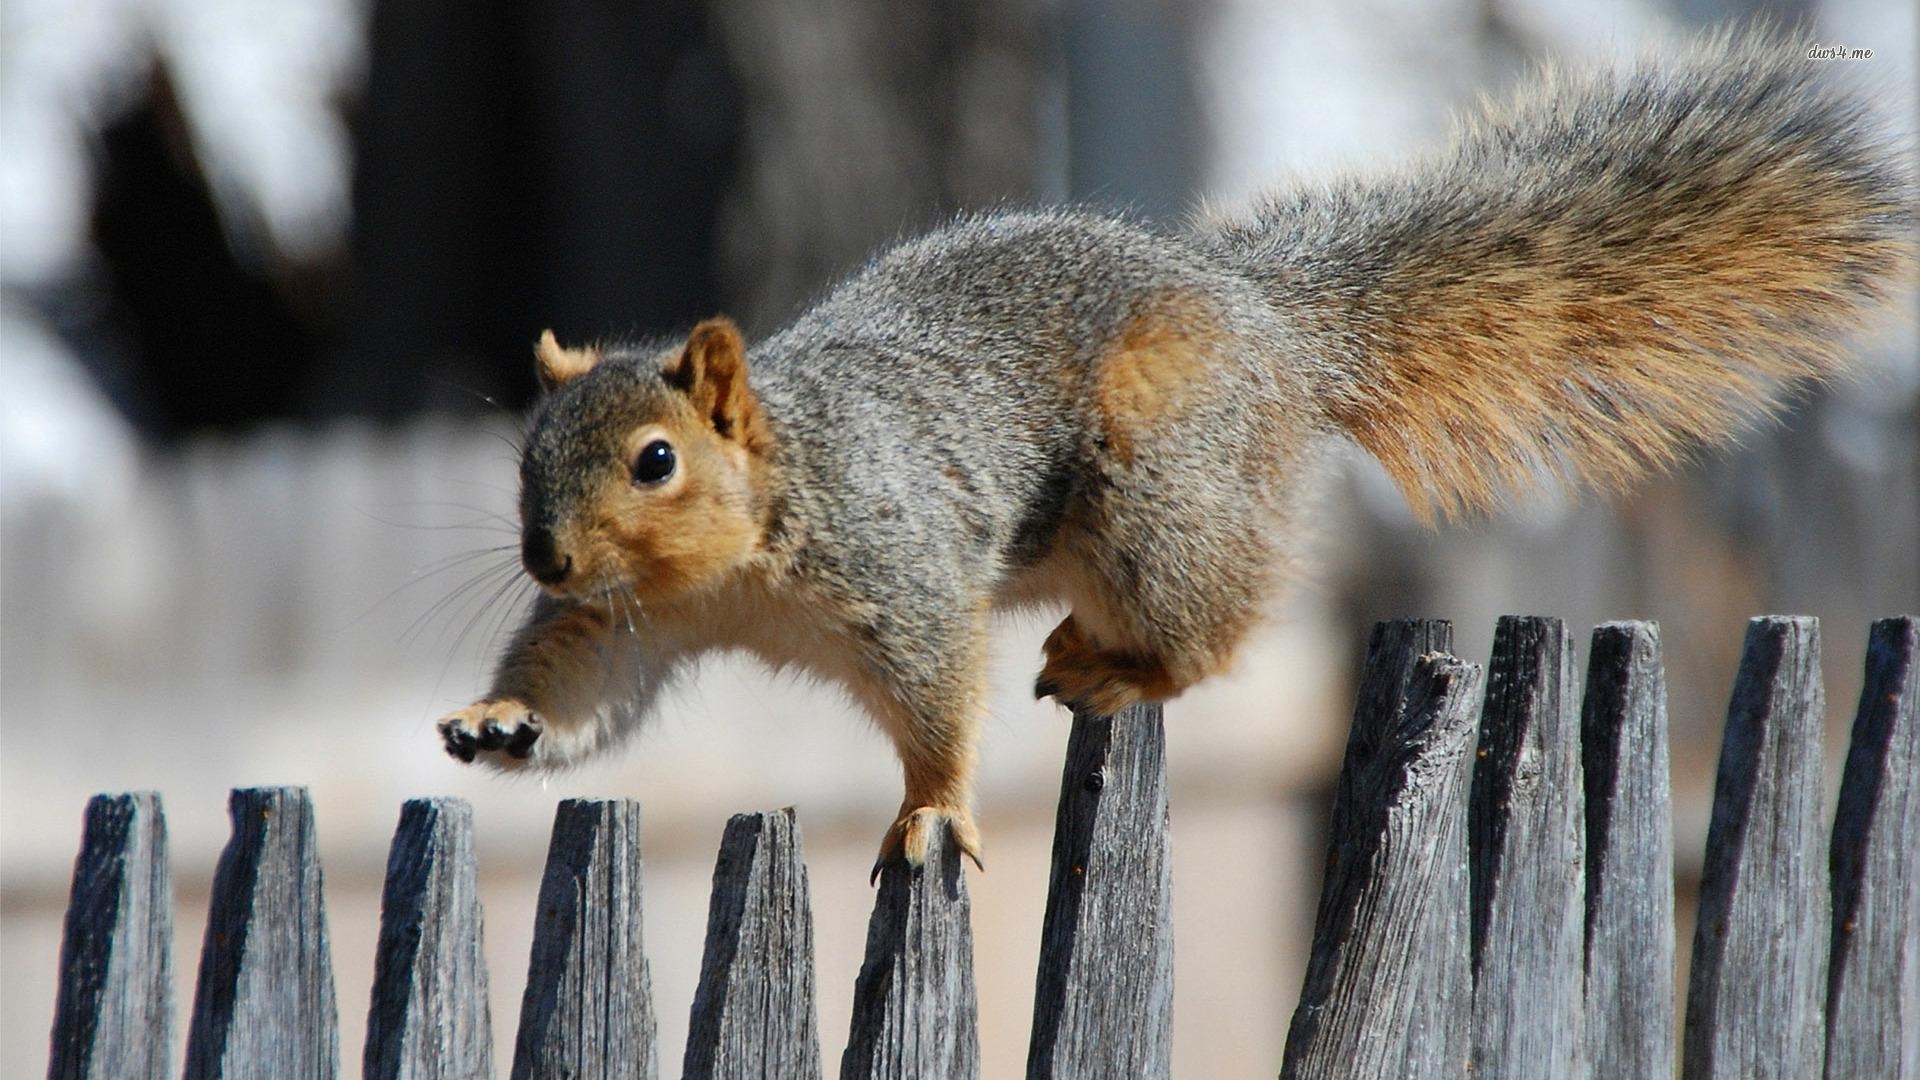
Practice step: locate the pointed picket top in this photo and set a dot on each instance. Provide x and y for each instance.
(1873, 996)
(753, 1012)
(588, 1007)
(1526, 846)
(1757, 1004)
(428, 1018)
(1629, 810)
(914, 1010)
(113, 1017)
(1388, 989)
(263, 1005)
(1103, 999)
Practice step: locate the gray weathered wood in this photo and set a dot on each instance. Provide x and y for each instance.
(1759, 981)
(753, 1011)
(588, 1007)
(1526, 851)
(263, 1005)
(914, 1012)
(428, 1018)
(1393, 647)
(1388, 988)
(1873, 999)
(1103, 1002)
(113, 1017)
(1629, 909)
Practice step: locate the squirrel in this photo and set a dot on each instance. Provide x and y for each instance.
(1063, 407)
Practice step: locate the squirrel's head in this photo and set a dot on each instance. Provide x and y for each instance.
(646, 469)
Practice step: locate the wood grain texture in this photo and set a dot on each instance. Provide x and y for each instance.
(429, 1019)
(753, 1012)
(263, 1005)
(1103, 1000)
(113, 1015)
(1757, 1003)
(1629, 804)
(1873, 993)
(914, 1010)
(1526, 849)
(588, 1008)
(1388, 989)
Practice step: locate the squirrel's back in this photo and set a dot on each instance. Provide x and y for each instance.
(963, 371)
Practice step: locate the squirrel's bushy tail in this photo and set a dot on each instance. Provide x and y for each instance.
(1593, 278)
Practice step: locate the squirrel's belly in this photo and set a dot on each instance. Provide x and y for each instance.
(1059, 579)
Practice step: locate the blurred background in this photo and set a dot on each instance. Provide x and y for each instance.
(270, 279)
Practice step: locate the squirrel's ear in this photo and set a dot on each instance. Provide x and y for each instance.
(555, 365)
(712, 370)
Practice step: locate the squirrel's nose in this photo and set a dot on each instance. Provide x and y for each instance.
(543, 558)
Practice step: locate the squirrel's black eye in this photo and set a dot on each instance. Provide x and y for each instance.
(654, 464)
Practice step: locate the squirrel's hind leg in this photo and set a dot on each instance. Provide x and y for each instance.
(1079, 672)
(1162, 598)
(1106, 678)
(1188, 496)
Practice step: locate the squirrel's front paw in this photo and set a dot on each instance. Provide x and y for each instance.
(504, 724)
(912, 834)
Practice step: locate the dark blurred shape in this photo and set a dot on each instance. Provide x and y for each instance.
(610, 172)
(517, 167)
(869, 121)
(188, 336)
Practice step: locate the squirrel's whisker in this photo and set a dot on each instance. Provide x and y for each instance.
(423, 574)
(461, 596)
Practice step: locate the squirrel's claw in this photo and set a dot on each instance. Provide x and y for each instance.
(520, 745)
(910, 837)
(493, 735)
(460, 742)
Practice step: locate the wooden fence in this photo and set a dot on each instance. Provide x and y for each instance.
(1498, 900)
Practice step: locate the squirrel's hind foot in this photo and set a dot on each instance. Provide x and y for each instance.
(912, 835)
(1080, 673)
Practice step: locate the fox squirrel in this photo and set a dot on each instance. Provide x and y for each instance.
(1059, 406)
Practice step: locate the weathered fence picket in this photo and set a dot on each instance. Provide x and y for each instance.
(1103, 999)
(1873, 996)
(1505, 912)
(588, 1007)
(1387, 990)
(263, 1005)
(914, 1012)
(1757, 1003)
(1628, 957)
(428, 1019)
(753, 1010)
(1526, 853)
(113, 1017)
